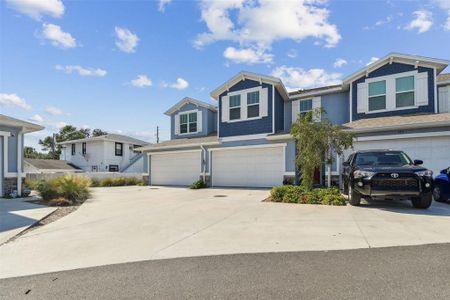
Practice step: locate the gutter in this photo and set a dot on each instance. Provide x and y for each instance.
(398, 127)
(177, 146)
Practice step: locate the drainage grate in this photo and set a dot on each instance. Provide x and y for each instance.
(220, 196)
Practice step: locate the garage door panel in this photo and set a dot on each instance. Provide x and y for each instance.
(432, 150)
(254, 167)
(175, 168)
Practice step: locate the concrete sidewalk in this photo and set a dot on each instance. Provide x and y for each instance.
(16, 215)
(127, 224)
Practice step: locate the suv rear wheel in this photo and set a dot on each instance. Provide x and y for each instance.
(422, 202)
(354, 198)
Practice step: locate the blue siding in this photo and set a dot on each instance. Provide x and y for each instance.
(12, 147)
(389, 69)
(279, 112)
(263, 125)
(336, 107)
(208, 118)
(287, 116)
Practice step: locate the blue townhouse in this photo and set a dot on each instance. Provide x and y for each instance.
(11, 153)
(399, 102)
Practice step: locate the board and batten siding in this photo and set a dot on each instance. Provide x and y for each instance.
(424, 86)
(444, 99)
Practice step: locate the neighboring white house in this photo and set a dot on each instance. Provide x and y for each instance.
(106, 153)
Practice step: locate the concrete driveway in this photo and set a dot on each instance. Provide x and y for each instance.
(126, 224)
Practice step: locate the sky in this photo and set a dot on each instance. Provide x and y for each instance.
(119, 65)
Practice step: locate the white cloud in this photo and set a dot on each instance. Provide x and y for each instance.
(38, 8)
(126, 41)
(384, 21)
(372, 60)
(162, 5)
(141, 81)
(81, 70)
(54, 111)
(260, 23)
(296, 78)
(445, 5)
(248, 56)
(14, 100)
(37, 118)
(57, 37)
(340, 62)
(447, 23)
(422, 22)
(180, 84)
(292, 53)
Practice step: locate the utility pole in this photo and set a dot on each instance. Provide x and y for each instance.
(157, 134)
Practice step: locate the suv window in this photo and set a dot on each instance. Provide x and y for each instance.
(391, 158)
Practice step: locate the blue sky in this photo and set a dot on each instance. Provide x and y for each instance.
(118, 65)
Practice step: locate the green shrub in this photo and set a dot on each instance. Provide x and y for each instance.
(47, 189)
(95, 182)
(199, 184)
(73, 188)
(296, 194)
(119, 181)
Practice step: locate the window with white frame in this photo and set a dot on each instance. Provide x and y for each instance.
(253, 104)
(188, 123)
(404, 91)
(235, 107)
(305, 106)
(377, 95)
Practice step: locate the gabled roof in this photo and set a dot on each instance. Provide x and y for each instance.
(50, 164)
(443, 79)
(27, 127)
(112, 137)
(399, 122)
(439, 64)
(187, 100)
(211, 139)
(252, 76)
(304, 93)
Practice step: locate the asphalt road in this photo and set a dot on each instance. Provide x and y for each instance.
(417, 272)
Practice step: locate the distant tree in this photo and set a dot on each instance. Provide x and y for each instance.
(316, 140)
(30, 152)
(98, 132)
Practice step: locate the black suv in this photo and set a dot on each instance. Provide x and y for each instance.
(387, 174)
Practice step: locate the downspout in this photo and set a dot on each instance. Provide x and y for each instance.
(203, 163)
(19, 162)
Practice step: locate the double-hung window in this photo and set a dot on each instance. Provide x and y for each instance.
(188, 123)
(73, 149)
(119, 149)
(377, 95)
(83, 148)
(235, 107)
(305, 106)
(253, 104)
(404, 91)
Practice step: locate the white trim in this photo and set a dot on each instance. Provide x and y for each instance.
(171, 152)
(14, 175)
(289, 173)
(156, 149)
(243, 137)
(402, 136)
(286, 136)
(391, 76)
(351, 102)
(5, 133)
(273, 109)
(436, 102)
(187, 112)
(284, 145)
(5, 157)
(401, 126)
(244, 106)
(188, 100)
(19, 162)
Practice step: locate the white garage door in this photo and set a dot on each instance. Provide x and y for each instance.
(434, 151)
(250, 167)
(182, 168)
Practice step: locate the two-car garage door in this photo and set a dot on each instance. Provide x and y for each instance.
(248, 167)
(175, 168)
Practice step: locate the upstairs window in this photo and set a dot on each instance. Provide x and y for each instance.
(377, 95)
(404, 91)
(305, 106)
(83, 148)
(188, 123)
(235, 107)
(253, 104)
(119, 149)
(73, 149)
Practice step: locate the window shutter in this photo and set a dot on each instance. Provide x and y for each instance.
(422, 88)
(264, 102)
(295, 110)
(199, 121)
(243, 106)
(363, 98)
(317, 103)
(225, 109)
(177, 124)
(444, 99)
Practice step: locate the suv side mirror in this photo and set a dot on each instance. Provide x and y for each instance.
(418, 162)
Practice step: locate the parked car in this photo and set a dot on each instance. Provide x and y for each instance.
(387, 174)
(441, 191)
